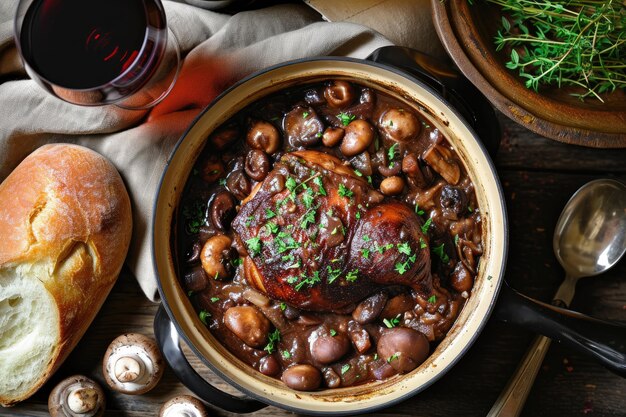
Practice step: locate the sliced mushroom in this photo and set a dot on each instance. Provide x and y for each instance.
(77, 396)
(441, 160)
(133, 364)
(183, 406)
(216, 255)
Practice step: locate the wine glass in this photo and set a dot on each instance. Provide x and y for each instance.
(95, 52)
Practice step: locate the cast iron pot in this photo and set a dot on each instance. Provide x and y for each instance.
(459, 111)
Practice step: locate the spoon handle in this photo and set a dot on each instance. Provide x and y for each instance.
(512, 399)
(602, 340)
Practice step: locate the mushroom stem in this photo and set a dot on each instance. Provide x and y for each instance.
(128, 369)
(82, 400)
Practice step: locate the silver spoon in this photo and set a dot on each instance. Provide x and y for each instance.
(589, 238)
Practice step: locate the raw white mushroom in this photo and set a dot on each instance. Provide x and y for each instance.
(132, 364)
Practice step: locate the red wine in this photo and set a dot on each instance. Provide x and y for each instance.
(85, 44)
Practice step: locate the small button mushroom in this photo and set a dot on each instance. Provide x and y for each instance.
(331, 378)
(397, 305)
(399, 125)
(332, 136)
(303, 127)
(453, 199)
(183, 406)
(339, 94)
(328, 346)
(392, 185)
(264, 136)
(222, 210)
(368, 310)
(77, 396)
(239, 184)
(461, 279)
(196, 279)
(248, 324)
(268, 365)
(359, 134)
(133, 364)
(367, 96)
(224, 137)
(403, 348)
(302, 377)
(257, 164)
(216, 256)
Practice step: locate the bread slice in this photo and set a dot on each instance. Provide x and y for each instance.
(65, 227)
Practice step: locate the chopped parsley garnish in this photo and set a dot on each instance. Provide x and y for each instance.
(305, 114)
(272, 227)
(249, 220)
(358, 173)
(222, 182)
(345, 191)
(352, 275)
(318, 135)
(404, 248)
(390, 122)
(308, 218)
(391, 152)
(254, 244)
(286, 354)
(333, 332)
(366, 238)
(320, 184)
(345, 368)
(365, 253)
(402, 267)
(195, 215)
(369, 179)
(382, 248)
(432, 299)
(422, 243)
(346, 118)
(375, 356)
(308, 280)
(333, 274)
(295, 265)
(393, 357)
(307, 198)
(456, 240)
(283, 306)
(269, 214)
(426, 225)
(393, 322)
(285, 242)
(439, 251)
(190, 293)
(215, 299)
(272, 342)
(469, 208)
(418, 211)
(291, 184)
(203, 316)
(358, 215)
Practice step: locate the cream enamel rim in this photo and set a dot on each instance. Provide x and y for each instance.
(474, 315)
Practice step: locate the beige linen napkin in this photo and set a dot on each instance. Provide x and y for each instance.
(218, 50)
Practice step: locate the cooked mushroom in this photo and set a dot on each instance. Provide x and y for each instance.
(399, 125)
(359, 134)
(441, 160)
(183, 406)
(264, 136)
(77, 396)
(216, 256)
(132, 364)
(339, 94)
(303, 127)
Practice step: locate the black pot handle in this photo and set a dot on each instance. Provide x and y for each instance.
(443, 77)
(169, 342)
(605, 341)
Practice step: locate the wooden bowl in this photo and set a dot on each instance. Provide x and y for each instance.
(467, 32)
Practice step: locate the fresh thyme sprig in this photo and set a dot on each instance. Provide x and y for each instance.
(578, 43)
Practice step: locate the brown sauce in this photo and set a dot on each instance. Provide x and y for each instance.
(329, 235)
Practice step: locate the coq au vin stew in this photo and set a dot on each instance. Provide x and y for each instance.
(329, 235)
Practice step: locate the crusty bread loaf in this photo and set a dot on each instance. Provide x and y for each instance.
(65, 227)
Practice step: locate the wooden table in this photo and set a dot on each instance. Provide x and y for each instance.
(538, 176)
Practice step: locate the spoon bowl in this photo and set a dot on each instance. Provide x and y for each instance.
(590, 235)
